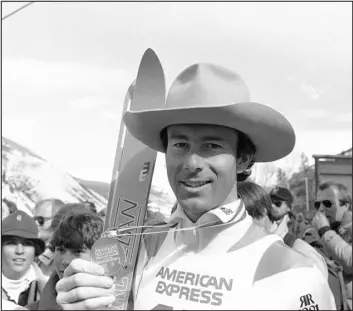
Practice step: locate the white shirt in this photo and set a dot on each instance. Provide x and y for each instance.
(193, 270)
(14, 288)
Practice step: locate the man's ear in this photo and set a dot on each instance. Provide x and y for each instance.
(243, 162)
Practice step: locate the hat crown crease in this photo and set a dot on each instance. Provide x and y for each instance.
(207, 85)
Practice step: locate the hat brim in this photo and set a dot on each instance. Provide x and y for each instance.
(270, 131)
(277, 197)
(28, 235)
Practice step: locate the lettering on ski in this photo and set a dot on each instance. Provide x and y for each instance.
(129, 217)
(132, 174)
(118, 156)
(144, 171)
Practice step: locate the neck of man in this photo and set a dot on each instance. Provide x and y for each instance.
(12, 275)
(195, 216)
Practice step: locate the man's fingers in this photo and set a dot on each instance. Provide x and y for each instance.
(80, 265)
(90, 304)
(66, 284)
(79, 294)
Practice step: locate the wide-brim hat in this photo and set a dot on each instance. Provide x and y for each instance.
(210, 94)
(22, 225)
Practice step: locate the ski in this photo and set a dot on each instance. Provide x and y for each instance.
(132, 173)
(117, 161)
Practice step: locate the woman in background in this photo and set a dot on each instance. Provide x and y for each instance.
(22, 280)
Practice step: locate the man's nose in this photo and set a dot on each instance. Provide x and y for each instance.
(322, 208)
(19, 248)
(193, 162)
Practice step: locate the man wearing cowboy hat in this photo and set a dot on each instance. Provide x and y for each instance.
(211, 257)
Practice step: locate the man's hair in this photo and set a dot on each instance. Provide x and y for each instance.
(245, 147)
(56, 204)
(77, 230)
(91, 206)
(103, 212)
(11, 205)
(345, 197)
(66, 208)
(257, 201)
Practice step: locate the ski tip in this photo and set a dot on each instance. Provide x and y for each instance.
(150, 73)
(150, 51)
(151, 55)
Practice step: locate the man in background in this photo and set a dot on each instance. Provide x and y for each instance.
(282, 200)
(333, 221)
(44, 212)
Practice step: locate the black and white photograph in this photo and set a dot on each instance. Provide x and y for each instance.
(176, 155)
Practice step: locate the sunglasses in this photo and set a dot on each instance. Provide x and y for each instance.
(326, 203)
(278, 203)
(41, 220)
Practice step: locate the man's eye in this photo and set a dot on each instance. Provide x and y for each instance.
(10, 243)
(180, 145)
(60, 250)
(28, 243)
(211, 146)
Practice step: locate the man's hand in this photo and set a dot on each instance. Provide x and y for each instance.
(84, 287)
(320, 220)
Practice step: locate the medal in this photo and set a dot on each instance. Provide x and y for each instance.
(108, 253)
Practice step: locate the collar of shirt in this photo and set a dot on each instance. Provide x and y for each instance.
(15, 287)
(222, 214)
(198, 235)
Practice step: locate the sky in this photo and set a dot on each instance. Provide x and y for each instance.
(66, 68)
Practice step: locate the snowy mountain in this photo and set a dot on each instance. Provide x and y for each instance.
(28, 178)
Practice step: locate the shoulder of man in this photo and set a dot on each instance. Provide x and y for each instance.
(280, 258)
(293, 279)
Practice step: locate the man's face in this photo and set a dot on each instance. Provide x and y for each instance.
(333, 209)
(4, 210)
(63, 256)
(17, 255)
(43, 218)
(279, 208)
(202, 166)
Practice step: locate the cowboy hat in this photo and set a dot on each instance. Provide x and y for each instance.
(210, 94)
(22, 225)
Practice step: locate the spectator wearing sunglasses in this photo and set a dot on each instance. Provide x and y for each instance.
(281, 210)
(333, 222)
(44, 212)
(259, 206)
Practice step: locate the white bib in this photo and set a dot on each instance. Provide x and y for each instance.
(209, 279)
